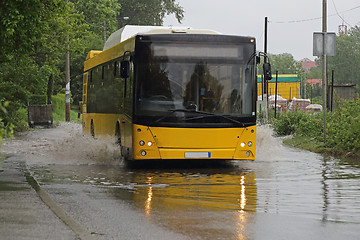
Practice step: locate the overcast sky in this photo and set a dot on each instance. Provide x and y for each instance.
(291, 23)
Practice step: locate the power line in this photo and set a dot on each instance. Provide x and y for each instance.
(339, 14)
(316, 18)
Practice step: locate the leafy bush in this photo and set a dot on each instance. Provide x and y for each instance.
(20, 120)
(288, 123)
(311, 125)
(58, 104)
(37, 100)
(6, 129)
(343, 127)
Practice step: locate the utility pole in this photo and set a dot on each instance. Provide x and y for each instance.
(104, 32)
(324, 78)
(265, 93)
(67, 79)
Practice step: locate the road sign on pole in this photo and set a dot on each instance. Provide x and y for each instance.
(318, 44)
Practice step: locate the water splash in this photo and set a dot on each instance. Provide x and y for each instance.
(64, 144)
(268, 147)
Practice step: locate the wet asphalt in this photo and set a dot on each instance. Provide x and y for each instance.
(23, 215)
(56, 184)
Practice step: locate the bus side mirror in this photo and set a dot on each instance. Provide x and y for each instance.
(267, 71)
(124, 69)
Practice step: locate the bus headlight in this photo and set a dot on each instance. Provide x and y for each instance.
(143, 153)
(250, 144)
(242, 144)
(150, 143)
(248, 154)
(142, 143)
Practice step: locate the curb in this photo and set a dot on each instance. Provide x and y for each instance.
(76, 227)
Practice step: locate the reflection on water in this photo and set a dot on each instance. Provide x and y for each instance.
(340, 184)
(186, 200)
(177, 190)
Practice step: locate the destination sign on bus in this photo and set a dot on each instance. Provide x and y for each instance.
(198, 51)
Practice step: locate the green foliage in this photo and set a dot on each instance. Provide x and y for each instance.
(347, 59)
(19, 119)
(58, 103)
(343, 127)
(37, 100)
(283, 63)
(315, 73)
(288, 122)
(148, 12)
(313, 92)
(299, 123)
(50, 90)
(33, 43)
(6, 128)
(23, 23)
(59, 109)
(35, 35)
(98, 14)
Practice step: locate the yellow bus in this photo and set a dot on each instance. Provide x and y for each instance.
(165, 93)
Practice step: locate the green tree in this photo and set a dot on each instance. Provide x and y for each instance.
(347, 59)
(32, 48)
(283, 63)
(115, 14)
(316, 72)
(23, 23)
(100, 16)
(147, 12)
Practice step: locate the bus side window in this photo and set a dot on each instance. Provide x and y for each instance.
(128, 88)
(125, 88)
(115, 68)
(124, 69)
(102, 72)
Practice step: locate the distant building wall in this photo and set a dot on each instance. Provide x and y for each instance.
(288, 86)
(340, 94)
(314, 82)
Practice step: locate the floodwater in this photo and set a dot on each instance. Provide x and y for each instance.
(286, 193)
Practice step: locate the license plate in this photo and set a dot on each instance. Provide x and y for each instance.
(197, 154)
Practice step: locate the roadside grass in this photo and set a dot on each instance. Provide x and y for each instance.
(313, 145)
(59, 116)
(58, 103)
(307, 143)
(342, 135)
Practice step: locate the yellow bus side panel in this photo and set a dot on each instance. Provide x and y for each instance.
(110, 54)
(104, 124)
(105, 127)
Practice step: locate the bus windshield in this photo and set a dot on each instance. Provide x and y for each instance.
(189, 84)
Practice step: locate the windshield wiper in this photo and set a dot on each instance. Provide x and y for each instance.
(204, 115)
(171, 111)
(215, 115)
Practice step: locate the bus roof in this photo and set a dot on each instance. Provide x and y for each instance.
(130, 30)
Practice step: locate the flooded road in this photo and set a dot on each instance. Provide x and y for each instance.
(285, 194)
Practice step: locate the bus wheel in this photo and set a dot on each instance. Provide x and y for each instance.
(92, 129)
